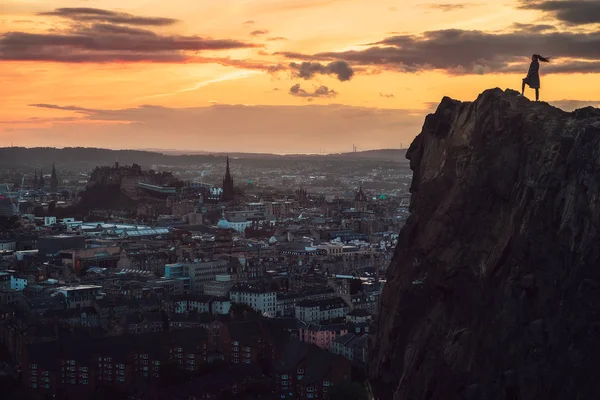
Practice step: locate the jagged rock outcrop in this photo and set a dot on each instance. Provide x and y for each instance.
(494, 290)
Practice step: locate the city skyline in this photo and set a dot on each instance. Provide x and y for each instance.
(276, 76)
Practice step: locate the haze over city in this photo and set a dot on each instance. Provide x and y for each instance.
(282, 76)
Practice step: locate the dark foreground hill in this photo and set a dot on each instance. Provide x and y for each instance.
(494, 290)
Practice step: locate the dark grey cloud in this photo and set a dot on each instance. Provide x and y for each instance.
(473, 52)
(533, 28)
(450, 6)
(320, 92)
(259, 32)
(573, 12)
(63, 108)
(571, 67)
(387, 95)
(83, 14)
(276, 38)
(250, 22)
(244, 64)
(108, 42)
(110, 29)
(307, 70)
(40, 120)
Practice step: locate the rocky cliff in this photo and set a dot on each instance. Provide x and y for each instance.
(494, 290)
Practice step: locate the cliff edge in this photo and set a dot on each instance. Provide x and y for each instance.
(494, 290)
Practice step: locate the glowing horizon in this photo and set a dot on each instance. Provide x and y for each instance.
(274, 76)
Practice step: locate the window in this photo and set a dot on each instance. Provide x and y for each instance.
(326, 383)
(284, 377)
(310, 389)
(300, 371)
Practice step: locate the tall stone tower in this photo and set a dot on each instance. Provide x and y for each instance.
(228, 194)
(53, 180)
(41, 182)
(360, 200)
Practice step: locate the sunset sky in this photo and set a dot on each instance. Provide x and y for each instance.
(283, 76)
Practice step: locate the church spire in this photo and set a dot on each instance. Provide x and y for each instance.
(227, 171)
(53, 180)
(227, 183)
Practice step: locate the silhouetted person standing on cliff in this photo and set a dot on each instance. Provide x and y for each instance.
(533, 76)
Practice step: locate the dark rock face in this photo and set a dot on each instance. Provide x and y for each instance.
(494, 290)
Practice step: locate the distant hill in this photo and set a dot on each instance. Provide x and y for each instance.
(383, 154)
(387, 154)
(87, 157)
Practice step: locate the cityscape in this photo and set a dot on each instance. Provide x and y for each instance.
(299, 200)
(226, 278)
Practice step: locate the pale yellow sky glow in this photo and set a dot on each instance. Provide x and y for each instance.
(218, 75)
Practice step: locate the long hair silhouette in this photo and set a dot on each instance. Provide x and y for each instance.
(542, 59)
